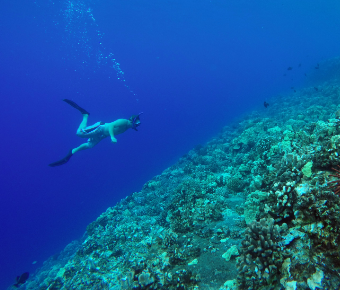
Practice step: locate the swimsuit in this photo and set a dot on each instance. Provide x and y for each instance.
(95, 133)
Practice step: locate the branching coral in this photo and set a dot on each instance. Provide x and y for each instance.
(261, 255)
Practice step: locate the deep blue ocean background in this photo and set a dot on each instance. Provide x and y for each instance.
(190, 66)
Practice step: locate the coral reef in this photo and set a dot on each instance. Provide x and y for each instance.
(255, 203)
(261, 255)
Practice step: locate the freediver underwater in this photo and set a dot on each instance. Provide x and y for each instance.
(97, 131)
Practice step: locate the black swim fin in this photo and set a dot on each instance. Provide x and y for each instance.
(62, 161)
(74, 105)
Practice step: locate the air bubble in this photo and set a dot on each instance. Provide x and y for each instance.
(83, 35)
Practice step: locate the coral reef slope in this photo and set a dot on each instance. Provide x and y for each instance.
(251, 209)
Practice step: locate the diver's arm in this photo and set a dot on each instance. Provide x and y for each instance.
(111, 127)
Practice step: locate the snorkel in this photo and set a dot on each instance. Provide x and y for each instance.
(135, 118)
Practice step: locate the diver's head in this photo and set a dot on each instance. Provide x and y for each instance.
(135, 121)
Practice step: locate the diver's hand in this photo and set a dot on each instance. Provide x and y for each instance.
(113, 140)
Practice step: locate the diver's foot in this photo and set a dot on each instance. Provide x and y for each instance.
(62, 161)
(74, 105)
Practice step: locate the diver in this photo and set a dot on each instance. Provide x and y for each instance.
(98, 131)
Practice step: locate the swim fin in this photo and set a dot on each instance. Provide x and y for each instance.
(62, 161)
(74, 105)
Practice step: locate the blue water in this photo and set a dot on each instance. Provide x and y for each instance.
(191, 66)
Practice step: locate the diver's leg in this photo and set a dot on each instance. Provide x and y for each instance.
(81, 147)
(70, 154)
(91, 142)
(83, 123)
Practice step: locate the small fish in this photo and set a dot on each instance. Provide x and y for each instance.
(292, 88)
(317, 66)
(21, 279)
(294, 91)
(289, 68)
(315, 88)
(265, 104)
(305, 74)
(284, 75)
(299, 64)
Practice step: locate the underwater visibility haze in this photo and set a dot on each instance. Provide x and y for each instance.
(235, 96)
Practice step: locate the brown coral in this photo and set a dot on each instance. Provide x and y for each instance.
(336, 187)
